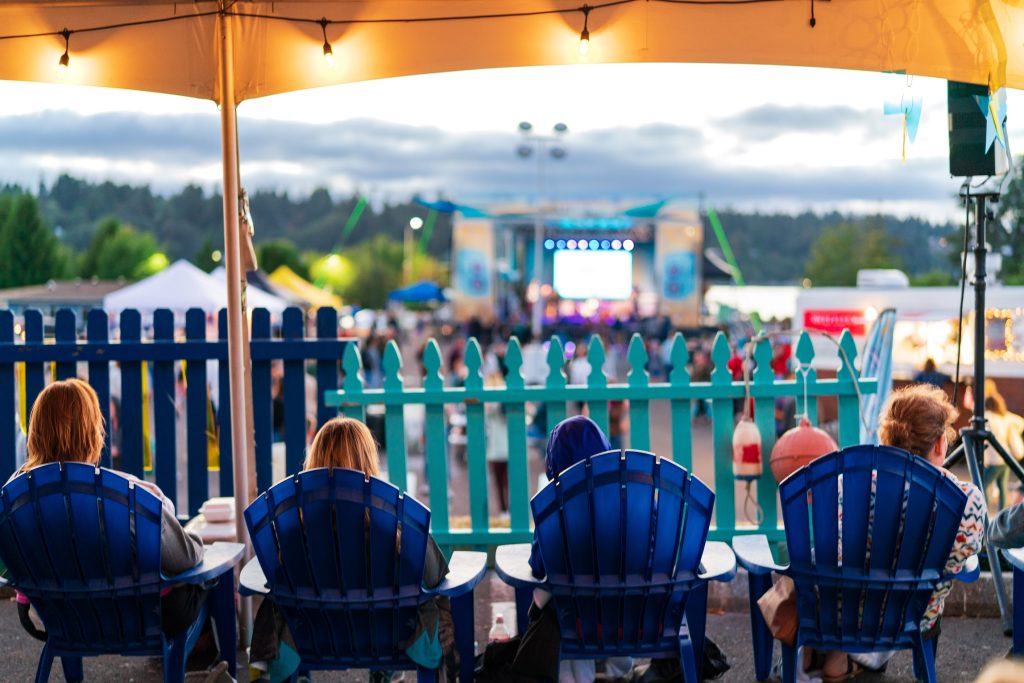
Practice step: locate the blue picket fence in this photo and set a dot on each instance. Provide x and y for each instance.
(67, 355)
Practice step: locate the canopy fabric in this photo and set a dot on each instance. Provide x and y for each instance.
(182, 286)
(420, 292)
(445, 206)
(963, 40)
(313, 296)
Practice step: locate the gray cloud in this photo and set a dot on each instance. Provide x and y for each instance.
(769, 121)
(399, 160)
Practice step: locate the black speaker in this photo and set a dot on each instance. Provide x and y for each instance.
(967, 154)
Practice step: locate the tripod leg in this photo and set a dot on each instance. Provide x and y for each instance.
(1010, 461)
(973, 451)
(955, 457)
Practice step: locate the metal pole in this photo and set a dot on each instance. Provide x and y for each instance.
(408, 255)
(976, 438)
(232, 261)
(978, 420)
(537, 325)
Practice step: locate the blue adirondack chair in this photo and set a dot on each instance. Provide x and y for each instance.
(1015, 556)
(623, 537)
(891, 561)
(83, 544)
(342, 557)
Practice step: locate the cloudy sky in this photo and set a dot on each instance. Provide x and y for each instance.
(766, 138)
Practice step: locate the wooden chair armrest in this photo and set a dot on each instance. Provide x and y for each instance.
(465, 571)
(218, 559)
(252, 581)
(755, 554)
(718, 563)
(512, 564)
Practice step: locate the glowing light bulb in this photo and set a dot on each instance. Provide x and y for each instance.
(328, 52)
(585, 34)
(584, 44)
(65, 60)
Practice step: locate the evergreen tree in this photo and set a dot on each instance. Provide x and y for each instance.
(843, 249)
(1007, 235)
(118, 250)
(30, 254)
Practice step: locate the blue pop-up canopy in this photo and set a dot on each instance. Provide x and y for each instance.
(421, 292)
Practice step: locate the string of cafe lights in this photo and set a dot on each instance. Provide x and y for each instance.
(324, 23)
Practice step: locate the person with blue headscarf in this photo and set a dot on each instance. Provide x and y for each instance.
(572, 440)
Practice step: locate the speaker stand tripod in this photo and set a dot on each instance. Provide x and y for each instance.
(976, 437)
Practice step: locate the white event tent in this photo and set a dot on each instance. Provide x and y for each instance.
(182, 286)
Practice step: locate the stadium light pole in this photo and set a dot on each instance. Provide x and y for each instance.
(415, 223)
(540, 146)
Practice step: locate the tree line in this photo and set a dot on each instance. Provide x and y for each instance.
(77, 228)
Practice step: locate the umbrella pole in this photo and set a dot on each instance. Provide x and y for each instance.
(240, 433)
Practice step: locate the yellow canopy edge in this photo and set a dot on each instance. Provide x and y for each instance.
(965, 40)
(285, 277)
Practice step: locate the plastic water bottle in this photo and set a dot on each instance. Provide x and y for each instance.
(499, 632)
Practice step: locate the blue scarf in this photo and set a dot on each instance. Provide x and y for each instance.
(572, 440)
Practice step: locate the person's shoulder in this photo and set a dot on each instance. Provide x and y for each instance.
(974, 495)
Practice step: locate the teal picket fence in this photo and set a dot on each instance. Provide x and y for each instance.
(679, 391)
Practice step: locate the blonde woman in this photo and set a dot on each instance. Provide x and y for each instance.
(918, 418)
(349, 444)
(67, 426)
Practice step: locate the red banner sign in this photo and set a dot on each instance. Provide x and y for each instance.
(834, 321)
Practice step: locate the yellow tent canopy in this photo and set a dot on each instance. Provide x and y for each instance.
(278, 47)
(315, 297)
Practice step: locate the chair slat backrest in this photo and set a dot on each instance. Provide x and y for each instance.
(621, 535)
(83, 544)
(864, 570)
(343, 555)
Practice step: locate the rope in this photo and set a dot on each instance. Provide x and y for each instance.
(788, 333)
(758, 518)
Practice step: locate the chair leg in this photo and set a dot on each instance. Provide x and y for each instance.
(426, 675)
(1018, 612)
(924, 660)
(45, 664)
(788, 663)
(221, 603)
(918, 659)
(524, 598)
(687, 661)
(72, 669)
(696, 623)
(758, 585)
(175, 654)
(462, 616)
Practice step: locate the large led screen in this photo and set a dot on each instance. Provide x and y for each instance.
(593, 274)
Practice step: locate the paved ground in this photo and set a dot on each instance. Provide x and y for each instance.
(966, 645)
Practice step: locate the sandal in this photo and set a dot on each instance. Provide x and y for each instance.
(852, 670)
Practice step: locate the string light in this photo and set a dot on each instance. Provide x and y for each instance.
(584, 46)
(328, 52)
(585, 33)
(65, 60)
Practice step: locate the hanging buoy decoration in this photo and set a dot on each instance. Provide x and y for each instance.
(799, 446)
(746, 450)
